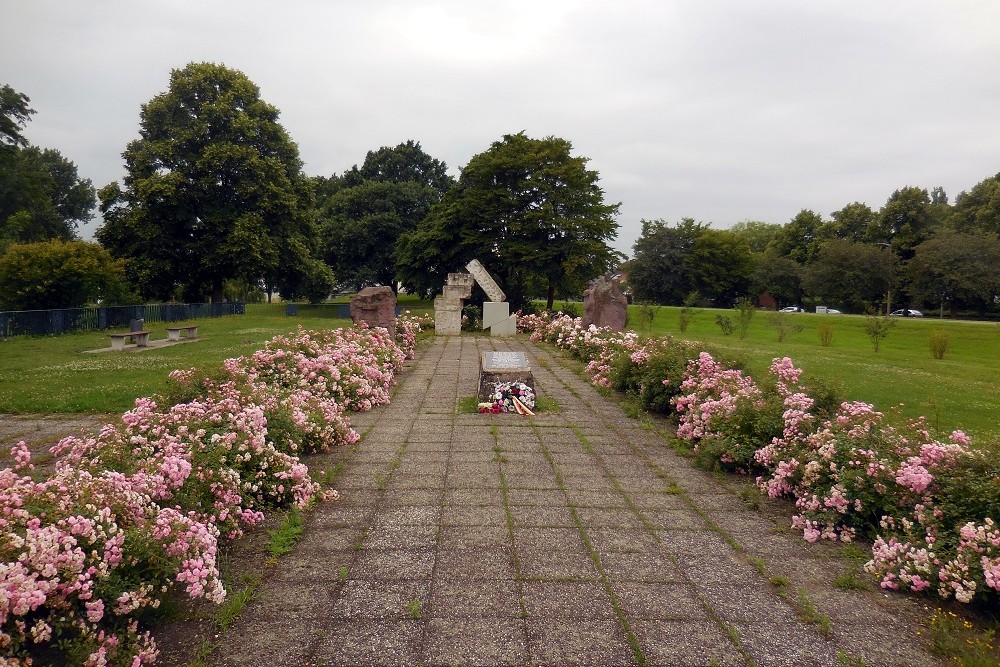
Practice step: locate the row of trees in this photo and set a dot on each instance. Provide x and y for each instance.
(916, 250)
(215, 200)
(215, 197)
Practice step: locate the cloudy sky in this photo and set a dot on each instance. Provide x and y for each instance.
(719, 110)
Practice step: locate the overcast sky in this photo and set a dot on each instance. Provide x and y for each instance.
(719, 110)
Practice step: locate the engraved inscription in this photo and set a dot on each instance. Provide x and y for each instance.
(504, 360)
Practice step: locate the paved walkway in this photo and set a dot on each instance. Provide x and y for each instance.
(576, 537)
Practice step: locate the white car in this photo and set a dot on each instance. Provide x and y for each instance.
(791, 309)
(903, 312)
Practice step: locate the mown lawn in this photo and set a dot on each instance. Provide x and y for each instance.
(54, 374)
(962, 390)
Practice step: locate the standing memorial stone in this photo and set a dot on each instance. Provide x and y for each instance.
(448, 306)
(497, 367)
(375, 306)
(604, 304)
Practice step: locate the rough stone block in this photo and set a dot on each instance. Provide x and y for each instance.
(447, 321)
(604, 304)
(375, 306)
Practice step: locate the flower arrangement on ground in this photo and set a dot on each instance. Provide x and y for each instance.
(511, 397)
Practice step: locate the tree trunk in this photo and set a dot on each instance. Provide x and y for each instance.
(550, 297)
(217, 296)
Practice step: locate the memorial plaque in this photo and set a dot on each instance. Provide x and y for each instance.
(505, 361)
(497, 367)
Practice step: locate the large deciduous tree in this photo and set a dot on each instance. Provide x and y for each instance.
(14, 114)
(905, 221)
(956, 269)
(979, 208)
(41, 195)
(214, 191)
(658, 271)
(529, 210)
(852, 275)
(799, 240)
(365, 211)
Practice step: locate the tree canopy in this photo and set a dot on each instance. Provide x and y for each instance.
(14, 114)
(365, 211)
(41, 195)
(214, 191)
(529, 210)
(956, 269)
(58, 274)
(672, 262)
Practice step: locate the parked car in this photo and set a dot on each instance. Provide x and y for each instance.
(903, 312)
(833, 311)
(791, 309)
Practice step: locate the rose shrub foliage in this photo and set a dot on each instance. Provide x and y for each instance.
(928, 504)
(138, 509)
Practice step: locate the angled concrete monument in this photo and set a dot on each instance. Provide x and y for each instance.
(485, 281)
(496, 312)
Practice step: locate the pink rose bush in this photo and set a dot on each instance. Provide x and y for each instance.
(929, 504)
(138, 508)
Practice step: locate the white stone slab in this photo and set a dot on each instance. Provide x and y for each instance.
(495, 312)
(485, 281)
(505, 328)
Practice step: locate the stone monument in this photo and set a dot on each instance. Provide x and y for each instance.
(496, 312)
(604, 304)
(448, 306)
(375, 306)
(497, 367)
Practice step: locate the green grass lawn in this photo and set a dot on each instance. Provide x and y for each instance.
(54, 374)
(962, 390)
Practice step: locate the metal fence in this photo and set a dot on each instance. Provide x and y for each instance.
(65, 320)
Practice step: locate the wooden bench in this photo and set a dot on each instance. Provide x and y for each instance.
(118, 339)
(190, 331)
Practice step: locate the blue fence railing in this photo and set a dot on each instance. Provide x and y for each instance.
(65, 320)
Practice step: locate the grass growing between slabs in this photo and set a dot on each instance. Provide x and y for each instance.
(959, 391)
(56, 374)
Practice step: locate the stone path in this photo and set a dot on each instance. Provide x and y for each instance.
(576, 537)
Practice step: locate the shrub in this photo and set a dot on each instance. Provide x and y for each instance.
(877, 327)
(782, 323)
(139, 508)
(688, 311)
(647, 313)
(825, 330)
(939, 343)
(725, 324)
(745, 309)
(58, 274)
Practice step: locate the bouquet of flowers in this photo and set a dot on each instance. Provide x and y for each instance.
(511, 397)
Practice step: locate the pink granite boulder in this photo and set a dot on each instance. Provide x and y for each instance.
(375, 306)
(604, 304)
